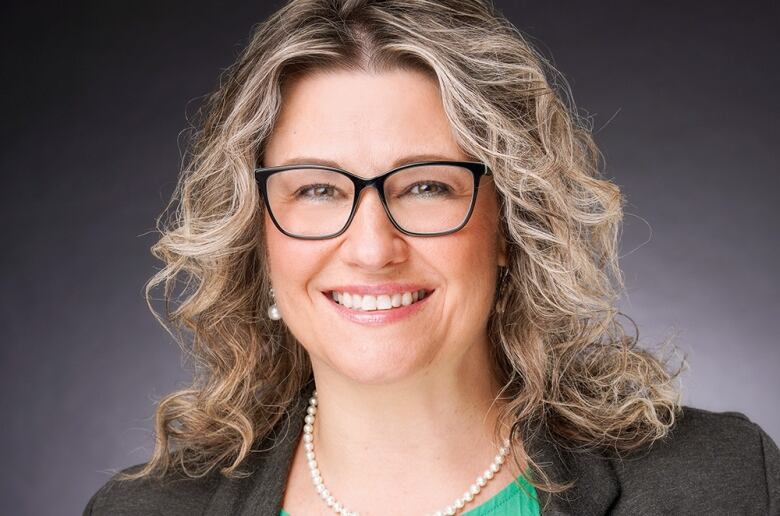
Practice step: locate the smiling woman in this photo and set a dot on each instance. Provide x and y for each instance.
(417, 316)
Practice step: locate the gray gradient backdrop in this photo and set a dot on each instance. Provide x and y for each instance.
(684, 101)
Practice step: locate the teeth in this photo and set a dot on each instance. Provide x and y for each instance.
(369, 303)
(382, 302)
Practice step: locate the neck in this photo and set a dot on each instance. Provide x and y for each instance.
(427, 426)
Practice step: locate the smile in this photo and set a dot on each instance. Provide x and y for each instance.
(369, 302)
(374, 310)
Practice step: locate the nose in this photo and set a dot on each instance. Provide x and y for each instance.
(371, 242)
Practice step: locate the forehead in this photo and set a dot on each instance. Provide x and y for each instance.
(361, 120)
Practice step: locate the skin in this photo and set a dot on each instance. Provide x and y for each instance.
(389, 396)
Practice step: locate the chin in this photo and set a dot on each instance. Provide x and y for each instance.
(377, 364)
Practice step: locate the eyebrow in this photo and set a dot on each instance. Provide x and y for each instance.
(307, 160)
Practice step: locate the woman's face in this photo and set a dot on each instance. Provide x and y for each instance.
(368, 124)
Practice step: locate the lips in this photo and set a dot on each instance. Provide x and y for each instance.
(374, 315)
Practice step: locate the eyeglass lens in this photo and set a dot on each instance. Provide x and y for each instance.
(312, 202)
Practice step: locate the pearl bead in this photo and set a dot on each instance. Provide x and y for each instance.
(273, 313)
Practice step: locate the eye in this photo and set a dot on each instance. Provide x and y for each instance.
(430, 189)
(316, 192)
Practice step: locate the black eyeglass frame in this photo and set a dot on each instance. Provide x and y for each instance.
(477, 168)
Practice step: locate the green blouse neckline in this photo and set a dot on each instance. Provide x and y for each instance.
(508, 493)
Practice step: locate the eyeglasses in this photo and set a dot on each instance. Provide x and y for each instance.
(426, 198)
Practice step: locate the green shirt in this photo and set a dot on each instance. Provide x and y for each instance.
(510, 501)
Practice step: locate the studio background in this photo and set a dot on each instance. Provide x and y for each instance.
(683, 101)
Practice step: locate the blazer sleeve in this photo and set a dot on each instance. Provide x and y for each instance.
(772, 471)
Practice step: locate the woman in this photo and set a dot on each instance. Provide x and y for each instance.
(405, 268)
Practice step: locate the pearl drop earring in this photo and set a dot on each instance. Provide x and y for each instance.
(273, 311)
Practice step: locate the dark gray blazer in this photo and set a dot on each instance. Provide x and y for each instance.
(710, 464)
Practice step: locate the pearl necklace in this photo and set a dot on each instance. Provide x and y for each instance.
(339, 508)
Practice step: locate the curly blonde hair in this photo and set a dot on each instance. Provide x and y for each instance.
(562, 357)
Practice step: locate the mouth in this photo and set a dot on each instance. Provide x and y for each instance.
(377, 303)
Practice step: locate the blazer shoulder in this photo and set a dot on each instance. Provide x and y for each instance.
(718, 460)
(703, 426)
(174, 494)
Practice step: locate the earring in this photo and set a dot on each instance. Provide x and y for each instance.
(273, 310)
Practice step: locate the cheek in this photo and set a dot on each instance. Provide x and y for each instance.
(474, 254)
(481, 234)
(290, 262)
(468, 262)
(471, 266)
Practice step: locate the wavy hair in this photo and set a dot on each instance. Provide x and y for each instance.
(566, 365)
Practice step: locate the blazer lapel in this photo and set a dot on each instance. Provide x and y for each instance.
(261, 493)
(596, 485)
